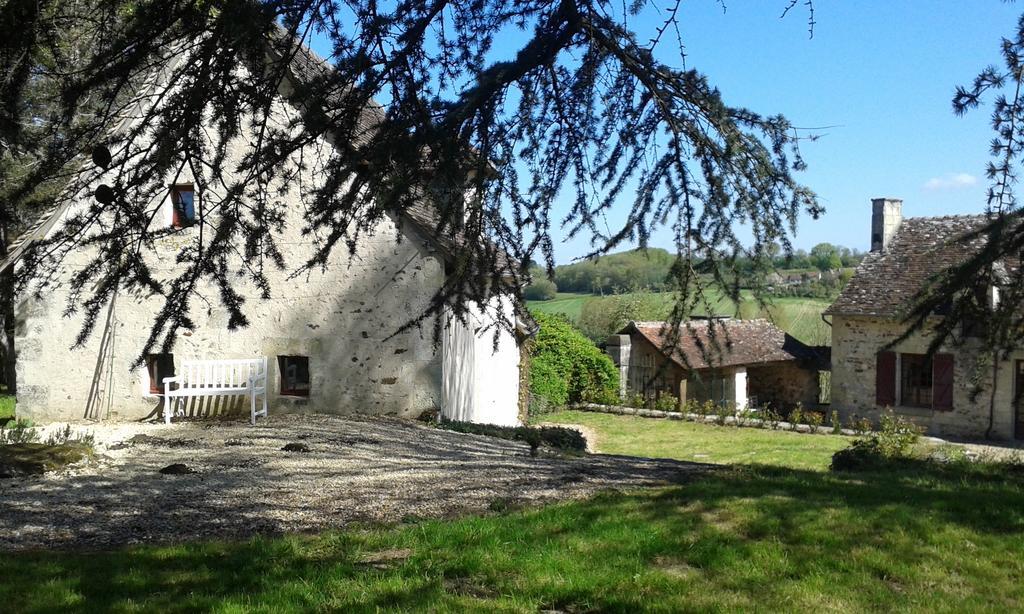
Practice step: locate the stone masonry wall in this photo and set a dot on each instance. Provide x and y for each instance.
(341, 318)
(783, 385)
(857, 340)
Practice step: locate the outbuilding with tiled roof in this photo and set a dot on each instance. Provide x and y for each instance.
(722, 360)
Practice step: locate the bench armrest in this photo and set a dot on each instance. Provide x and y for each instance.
(172, 380)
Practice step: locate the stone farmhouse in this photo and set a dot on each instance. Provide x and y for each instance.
(726, 361)
(935, 391)
(327, 336)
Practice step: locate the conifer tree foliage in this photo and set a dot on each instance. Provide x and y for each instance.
(424, 111)
(964, 293)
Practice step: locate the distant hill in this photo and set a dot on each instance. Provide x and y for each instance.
(648, 269)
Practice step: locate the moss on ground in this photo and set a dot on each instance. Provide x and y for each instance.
(37, 458)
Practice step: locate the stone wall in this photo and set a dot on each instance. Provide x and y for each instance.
(855, 344)
(342, 318)
(783, 385)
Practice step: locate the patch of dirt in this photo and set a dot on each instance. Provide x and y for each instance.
(364, 470)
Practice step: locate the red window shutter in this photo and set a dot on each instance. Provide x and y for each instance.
(942, 381)
(885, 379)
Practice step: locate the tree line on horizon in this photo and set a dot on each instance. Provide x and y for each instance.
(650, 269)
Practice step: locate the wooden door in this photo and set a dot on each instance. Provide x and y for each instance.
(1018, 402)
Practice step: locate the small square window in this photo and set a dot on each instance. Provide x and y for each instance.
(294, 371)
(159, 366)
(183, 201)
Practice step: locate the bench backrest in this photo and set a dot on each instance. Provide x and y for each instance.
(223, 373)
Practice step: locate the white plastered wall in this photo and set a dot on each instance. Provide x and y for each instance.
(480, 383)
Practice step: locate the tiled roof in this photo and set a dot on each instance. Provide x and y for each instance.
(886, 281)
(725, 343)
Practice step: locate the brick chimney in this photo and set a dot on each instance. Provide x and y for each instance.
(886, 215)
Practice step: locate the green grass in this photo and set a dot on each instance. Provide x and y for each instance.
(6, 406)
(754, 538)
(704, 442)
(566, 303)
(782, 537)
(800, 317)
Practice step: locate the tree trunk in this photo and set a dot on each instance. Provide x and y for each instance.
(8, 375)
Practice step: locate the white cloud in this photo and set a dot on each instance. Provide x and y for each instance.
(952, 181)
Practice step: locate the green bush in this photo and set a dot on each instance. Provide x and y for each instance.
(893, 442)
(667, 402)
(547, 382)
(837, 426)
(565, 367)
(814, 419)
(896, 436)
(557, 437)
(19, 432)
(540, 289)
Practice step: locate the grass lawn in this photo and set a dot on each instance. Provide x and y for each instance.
(788, 537)
(800, 317)
(6, 406)
(754, 538)
(705, 443)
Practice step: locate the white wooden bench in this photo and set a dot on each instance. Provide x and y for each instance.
(218, 378)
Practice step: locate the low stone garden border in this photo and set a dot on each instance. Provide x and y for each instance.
(711, 419)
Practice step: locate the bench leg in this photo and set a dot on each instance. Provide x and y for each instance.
(252, 406)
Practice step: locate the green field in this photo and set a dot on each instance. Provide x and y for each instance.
(800, 317)
(775, 532)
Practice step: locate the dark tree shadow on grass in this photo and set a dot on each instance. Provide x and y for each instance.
(748, 537)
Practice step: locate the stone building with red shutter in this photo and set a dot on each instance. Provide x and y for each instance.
(947, 393)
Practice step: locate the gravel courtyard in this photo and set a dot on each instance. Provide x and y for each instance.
(244, 484)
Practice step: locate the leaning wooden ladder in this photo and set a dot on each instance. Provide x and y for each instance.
(218, 378)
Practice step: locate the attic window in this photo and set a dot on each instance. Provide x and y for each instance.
(183, 201)
(294, 371)
(159, 366)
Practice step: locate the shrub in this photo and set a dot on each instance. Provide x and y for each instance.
(667, 402)
(796, 416)
(837, 426)
(603, 397)
(19, 432)
(814, 419)
(554, 436)
(771, 417)
(565, 366)
(860, 426)
(606, 315)
(547, 383)
(893, 441)
(862, 454)
(745, 416)
(636, 400)
(722, 412)
(66, 435)
(896, 436)
(540, 289)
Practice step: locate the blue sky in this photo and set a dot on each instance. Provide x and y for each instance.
(880, 73)
(883, 74)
